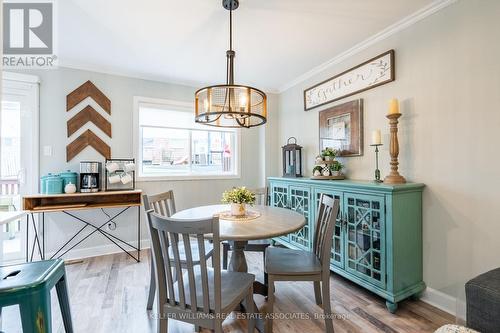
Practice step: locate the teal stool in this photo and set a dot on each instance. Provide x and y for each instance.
(29, 285)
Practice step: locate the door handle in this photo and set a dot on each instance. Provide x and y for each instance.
(344, 219)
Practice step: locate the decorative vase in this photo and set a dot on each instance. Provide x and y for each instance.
(328, 158)
(238, 209)
(336, 173)
(70, 188)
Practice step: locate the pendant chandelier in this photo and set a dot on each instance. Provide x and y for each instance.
(230, 105)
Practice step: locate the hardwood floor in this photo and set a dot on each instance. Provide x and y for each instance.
(108, 294)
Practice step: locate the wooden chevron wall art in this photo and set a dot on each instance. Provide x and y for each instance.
(87, 114)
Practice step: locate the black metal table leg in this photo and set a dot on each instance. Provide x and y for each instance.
(43, 235)
(138, 233)
(39, 236)
(27, 236)
(36, 240)
(106, 234)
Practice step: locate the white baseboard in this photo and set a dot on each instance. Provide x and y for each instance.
(77, 254)
(445, 302)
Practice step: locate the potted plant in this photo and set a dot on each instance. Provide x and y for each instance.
(318, 169)
(328, 154)
(238, 197)
(337, 168)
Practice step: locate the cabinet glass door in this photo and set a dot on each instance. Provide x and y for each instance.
(279, 195)
(365, 239)
(300, 201)
(337, 254)
(279, 198)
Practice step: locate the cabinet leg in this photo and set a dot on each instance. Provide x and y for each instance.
(392, 307)
(416, 296)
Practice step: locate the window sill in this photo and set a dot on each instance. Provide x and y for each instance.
(185, 178)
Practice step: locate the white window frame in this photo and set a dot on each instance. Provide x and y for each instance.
(177, 106)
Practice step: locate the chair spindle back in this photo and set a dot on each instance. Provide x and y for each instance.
(328, 210)
(163, 204)
(261, 196)
(167, 232)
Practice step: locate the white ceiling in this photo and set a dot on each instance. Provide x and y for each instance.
(275, 41)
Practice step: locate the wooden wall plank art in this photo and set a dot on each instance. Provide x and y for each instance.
(88, 89)
(370, 74)
(87, 114)
(88, 138)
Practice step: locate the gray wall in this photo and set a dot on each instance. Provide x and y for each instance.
(56, 84)
(448, 81)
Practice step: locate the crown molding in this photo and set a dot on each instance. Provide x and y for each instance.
(141, 76)
(128, 74)
(402, 24)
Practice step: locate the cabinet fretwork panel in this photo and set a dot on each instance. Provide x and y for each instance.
(365, 222)
(300, 202)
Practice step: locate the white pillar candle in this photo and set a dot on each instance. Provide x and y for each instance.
(376, 137)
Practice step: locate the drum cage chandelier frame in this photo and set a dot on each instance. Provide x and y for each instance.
(230, 105)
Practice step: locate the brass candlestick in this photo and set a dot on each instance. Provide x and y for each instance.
(394, 177)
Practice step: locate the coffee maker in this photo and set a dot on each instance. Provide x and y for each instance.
(90, 176)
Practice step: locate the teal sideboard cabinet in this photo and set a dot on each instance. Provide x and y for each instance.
(378, 234)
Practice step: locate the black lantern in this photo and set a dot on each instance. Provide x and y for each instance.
(292, 159)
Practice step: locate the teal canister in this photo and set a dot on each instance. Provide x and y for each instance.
(43, 183)
(69, 177)
(53, 184)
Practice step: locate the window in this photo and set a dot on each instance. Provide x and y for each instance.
(170, 145)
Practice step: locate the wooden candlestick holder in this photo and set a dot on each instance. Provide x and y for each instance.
(394, 177)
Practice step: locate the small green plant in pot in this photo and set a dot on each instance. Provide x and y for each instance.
(336, 168)
(238, 197)
(328, 154)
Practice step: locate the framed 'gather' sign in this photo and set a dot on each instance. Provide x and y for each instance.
(370, 74)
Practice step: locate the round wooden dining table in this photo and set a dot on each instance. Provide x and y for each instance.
(272, 222)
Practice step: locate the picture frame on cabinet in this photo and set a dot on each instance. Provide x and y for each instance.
(341, 128)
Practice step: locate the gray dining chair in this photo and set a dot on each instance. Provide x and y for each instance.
(164, 205)
(261, 198)
(294, 265)
(202, 296)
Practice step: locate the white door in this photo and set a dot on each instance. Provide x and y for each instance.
(18, 156)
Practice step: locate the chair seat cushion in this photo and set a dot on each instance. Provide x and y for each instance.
(234, 286)
(209, 249)
(281, 261)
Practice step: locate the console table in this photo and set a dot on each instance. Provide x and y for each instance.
(69, 204)
(378, 234)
